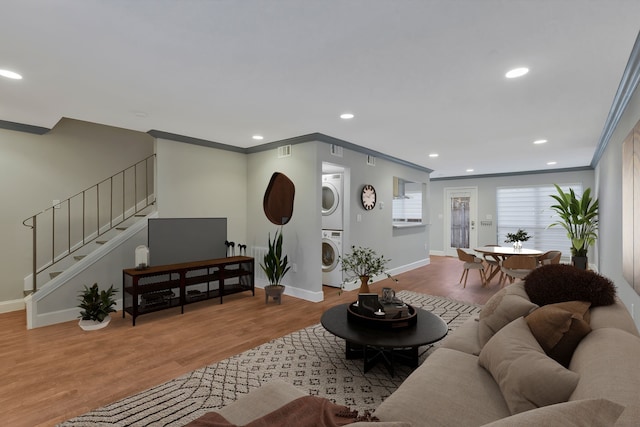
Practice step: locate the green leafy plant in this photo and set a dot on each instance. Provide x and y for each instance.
(579, 217)
(274, 265)
(96, 304)
(363, 262)
(518, 236)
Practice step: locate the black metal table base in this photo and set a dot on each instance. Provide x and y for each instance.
(388, 356)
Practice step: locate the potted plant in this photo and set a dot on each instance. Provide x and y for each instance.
(96, 306)
(364, 264)
(517, 238)
(275, 266)
(579, 217)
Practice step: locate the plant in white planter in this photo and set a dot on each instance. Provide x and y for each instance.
(96, 306)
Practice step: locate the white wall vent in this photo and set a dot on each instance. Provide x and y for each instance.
(284, 151)
(371, 160)
(336, 150)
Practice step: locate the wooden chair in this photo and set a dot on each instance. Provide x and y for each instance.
(471, 262)
(517, 267)
(493, 262)
(550, 257)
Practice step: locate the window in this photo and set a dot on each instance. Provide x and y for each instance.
(407, 202)
(529, 208)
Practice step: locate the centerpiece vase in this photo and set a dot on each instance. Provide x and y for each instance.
(364, 285)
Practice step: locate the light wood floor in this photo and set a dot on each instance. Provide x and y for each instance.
(51, 374)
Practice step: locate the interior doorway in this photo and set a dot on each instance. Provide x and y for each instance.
(460, 219)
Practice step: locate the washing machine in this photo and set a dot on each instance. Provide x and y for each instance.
(332, 201)
(331, 252)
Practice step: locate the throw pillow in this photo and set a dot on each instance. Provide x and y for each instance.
(527, 377)
(502, 308)
(558, 328)
(578, 413)
(554, 283)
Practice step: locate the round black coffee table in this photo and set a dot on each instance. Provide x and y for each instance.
(387, 346)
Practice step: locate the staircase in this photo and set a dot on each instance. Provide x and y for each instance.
(68, 231)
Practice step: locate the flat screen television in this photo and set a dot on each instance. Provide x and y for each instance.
(177, 240)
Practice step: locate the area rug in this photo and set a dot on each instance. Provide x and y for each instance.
(311, 359)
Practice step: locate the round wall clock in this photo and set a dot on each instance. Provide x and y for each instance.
(368, 197)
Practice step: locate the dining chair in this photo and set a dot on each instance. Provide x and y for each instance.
(471, 262)
(493, 262)
(550, 257)
(517, 267)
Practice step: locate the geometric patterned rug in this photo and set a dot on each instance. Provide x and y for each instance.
(311, 359)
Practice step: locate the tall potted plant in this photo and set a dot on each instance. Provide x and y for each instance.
(579, 217)
(363, 264)
(275, 266)
(96, 306)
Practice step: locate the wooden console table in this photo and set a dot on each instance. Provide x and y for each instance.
(164, 286)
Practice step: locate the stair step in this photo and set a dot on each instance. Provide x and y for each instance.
(79, 257)
(121, 228)
(54, 274)
(101, 242)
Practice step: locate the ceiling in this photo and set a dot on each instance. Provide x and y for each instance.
(420, 76)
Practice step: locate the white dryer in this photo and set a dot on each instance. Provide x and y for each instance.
(332, 201)
(331, 252)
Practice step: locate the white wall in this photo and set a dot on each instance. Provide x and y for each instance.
(609, 190)
(302, 235)
(36, 169)
(197, 182)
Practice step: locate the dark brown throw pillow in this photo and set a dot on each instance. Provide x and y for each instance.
(559, 328)
(555, 283)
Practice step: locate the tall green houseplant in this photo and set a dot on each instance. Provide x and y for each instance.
(579, 217)
(274, 265)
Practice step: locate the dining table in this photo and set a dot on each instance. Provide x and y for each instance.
(499, 253)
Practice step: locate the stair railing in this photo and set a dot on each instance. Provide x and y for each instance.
(71, 224)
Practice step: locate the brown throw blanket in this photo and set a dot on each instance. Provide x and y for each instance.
(307, 411)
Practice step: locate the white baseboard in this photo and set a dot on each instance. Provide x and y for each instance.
(12, 305)
(437, 253)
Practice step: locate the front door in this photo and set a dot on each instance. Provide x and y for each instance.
(460, 219)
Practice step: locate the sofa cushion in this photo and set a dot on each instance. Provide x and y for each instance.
(465, 337)
(558, 328)
(554, 283)
(591, 412)
(608, 361)
(502, 308)
(449, 388)
(527, 377)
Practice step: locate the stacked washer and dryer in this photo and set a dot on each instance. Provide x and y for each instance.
(332, 226)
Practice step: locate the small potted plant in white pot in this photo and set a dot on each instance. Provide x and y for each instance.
(96, 306)
(363, 264)
(275, 266)
(517, 238)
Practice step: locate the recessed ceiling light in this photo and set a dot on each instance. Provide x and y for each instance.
(434, 155)
(10, 74)
(552, 163)
(258, 137)
(540, 141)
(469, 170)
(346, 116)
(516, 72)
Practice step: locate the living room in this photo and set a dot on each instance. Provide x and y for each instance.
(192, 179)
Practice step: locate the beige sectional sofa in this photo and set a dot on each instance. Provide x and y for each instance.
(493, 371)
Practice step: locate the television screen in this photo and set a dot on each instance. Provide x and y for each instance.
(177, 240)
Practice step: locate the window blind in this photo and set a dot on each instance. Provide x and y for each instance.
(529, 208)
